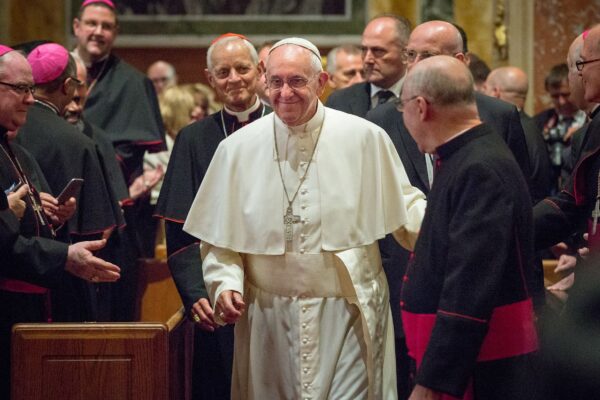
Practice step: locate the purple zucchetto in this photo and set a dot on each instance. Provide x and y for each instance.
(106, 2)
(48, 61)
(4, 49)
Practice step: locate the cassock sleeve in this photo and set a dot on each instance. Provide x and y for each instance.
(412, 198)
(223, 269)
(9, 226)
(480, 241)
(185, 264)
(36, 260)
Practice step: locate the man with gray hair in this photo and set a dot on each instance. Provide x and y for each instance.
(467, 311)
(162, 74)
(289, 214)
(345, 67)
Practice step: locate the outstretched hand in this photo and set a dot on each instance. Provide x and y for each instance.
(83, 264)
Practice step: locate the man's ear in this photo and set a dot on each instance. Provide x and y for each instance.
(65, 87)
(261, 68)
(322, 81)
(76, 24)
(462, 57)
(424, 109)
(209, 77)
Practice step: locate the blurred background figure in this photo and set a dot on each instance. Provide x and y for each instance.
(345, 66)
(204, 100)
(263, 53)
(162, 74)
(559, 122)
(178, 108)
(511, 85)
(480, 71)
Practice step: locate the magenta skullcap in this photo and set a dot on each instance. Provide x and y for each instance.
(106, 2)
(4, 49)
(47, 62)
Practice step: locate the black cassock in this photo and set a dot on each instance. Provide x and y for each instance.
(466, 301)
(64, 153)
(194, 148)
(122, 102)
(31, 260)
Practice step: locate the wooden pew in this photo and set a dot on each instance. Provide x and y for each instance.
(98, 361)
(157, 297)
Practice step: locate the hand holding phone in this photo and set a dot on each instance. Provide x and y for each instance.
(71, 190)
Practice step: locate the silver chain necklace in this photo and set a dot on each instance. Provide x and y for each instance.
(289, 219)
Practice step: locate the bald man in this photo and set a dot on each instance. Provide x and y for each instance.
(162, 74)
(577, 97)
(511, 85)
(435, 37)
(467, 311)
(382, 43)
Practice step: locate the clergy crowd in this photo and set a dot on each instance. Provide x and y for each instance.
(385, 244)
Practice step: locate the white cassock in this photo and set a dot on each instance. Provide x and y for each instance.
(317, 323)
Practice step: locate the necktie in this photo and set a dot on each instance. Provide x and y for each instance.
(383, 96)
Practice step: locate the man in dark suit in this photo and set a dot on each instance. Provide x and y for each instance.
(383, 41)
(511, 85)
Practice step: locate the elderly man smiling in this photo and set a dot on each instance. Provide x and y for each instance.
(289, 214)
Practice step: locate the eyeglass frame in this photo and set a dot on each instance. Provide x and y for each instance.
(287, 81)
(400, 104)
(579, 64)
(77, 81)
(20, 89)
(407, 59)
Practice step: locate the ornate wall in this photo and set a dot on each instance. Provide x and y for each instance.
(557, 23)
(553, 25)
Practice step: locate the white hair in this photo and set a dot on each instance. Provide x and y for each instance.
(224, 41)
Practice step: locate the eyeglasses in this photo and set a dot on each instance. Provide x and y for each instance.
(411, 55)
(579, 64)
(400, 104)
(295, 82)
(20, 89)
(77, 81)
(93, 25)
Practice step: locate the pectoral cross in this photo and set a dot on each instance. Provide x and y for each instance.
(289, 219)
(37, 209)
(595, 215)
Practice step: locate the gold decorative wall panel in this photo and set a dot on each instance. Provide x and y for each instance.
(556, 24)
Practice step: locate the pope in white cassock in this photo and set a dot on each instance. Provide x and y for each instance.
(289, 214)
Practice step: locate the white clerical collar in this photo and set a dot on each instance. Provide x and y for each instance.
(88, 64)
(395, 88)
(243, 116)
(312, 126)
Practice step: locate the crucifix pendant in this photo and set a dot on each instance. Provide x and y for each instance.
(289, 219)
(38, 210)
(595, 215)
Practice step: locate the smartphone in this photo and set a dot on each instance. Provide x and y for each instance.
(71, 190)
(13, 188)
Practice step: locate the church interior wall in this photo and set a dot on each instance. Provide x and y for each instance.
(553, 23)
